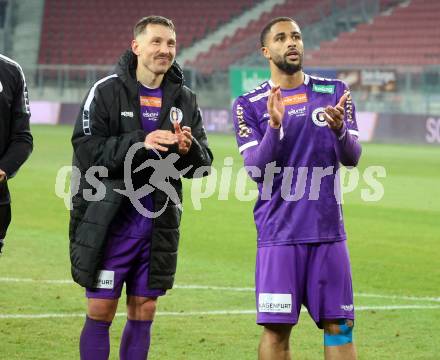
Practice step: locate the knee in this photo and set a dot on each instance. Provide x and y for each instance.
(148, 308)
(277, 335)
(139, 308)
(338, 332)
(102, 309)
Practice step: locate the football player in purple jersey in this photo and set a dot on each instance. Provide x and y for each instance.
(293, 132)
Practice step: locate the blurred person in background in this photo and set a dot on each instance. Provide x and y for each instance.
(111, 243)
(16, 141)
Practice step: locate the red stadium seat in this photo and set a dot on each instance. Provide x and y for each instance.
(107, 24)
(245, 40)
(408, 36)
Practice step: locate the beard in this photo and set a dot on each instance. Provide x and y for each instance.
(286, 67)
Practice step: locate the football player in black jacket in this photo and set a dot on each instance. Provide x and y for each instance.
(15, 137)
(119, 240)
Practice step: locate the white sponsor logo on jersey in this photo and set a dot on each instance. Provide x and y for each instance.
(347, 307)
(1, 87)
(297, 112)
(127, 113)
(151, 115)
(106, 279)
(243, 129)
(349, 106)
(259, 96)
(275, 303)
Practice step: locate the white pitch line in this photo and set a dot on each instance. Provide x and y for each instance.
(208, 287)
(226, 288)
(24, 280)
(383, 296)
(213, 312)
(398, 297)
(190, 287)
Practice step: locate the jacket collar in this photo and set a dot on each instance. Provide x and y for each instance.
(171, 85)
(126, 71)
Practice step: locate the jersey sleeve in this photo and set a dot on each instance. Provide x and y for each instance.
(350, 111)
(348, 148)
(246, 127)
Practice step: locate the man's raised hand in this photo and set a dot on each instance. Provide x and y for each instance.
(184, 138)
(275, 107)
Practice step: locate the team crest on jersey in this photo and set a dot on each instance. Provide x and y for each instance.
(318, 117)
(176, 115)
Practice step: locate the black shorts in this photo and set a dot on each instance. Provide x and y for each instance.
(5, 219)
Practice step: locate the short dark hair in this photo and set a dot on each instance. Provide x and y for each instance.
(269, 25)
(140, 26)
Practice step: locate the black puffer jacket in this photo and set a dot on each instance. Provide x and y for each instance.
(15, 137)
(107, 126)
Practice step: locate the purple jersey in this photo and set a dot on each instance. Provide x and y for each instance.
(127, 255)
(129, 220)
(151, 102)
(300, 206)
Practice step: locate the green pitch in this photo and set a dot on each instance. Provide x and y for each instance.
(394, 245)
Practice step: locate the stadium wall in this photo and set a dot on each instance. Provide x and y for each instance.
(373, 127)
(53, 113)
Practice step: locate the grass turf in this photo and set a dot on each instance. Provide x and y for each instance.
(394, 245)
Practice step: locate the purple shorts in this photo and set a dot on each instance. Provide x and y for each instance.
(317, 276)
(126, 259)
